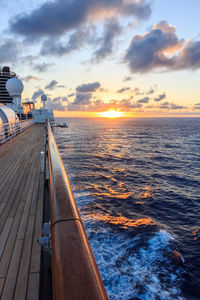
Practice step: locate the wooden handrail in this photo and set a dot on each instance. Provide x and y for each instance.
(75, 274)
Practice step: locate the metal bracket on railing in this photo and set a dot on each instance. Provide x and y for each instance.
(42, 157)
(45, 240)
(45, 139)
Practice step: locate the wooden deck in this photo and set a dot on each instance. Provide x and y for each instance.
(21, 212)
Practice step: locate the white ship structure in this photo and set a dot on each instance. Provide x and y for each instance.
(15, 114)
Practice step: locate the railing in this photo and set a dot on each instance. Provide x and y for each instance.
(74, 271)
(10, 130)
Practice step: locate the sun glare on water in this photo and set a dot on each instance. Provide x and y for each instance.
(111, 114)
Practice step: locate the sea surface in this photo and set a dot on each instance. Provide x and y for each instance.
(137, 185)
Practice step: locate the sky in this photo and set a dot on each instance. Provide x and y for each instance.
(138, 57)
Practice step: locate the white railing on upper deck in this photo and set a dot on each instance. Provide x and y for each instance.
(10, 130)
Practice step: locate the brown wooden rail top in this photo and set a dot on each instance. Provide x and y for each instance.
(74, 271)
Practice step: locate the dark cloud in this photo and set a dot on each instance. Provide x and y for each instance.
(162, 49)
(170, 106)
(30, 78)
(160, 97)
(57, 103)
(89, 87)
(82, 99)
(175, 106)
(60, 99)
(150, 91)
(189, 56)
(42, 67)
(127, 78)
(103, 90)
(52, 85)
(111, 30)
(55, 18)
(37, 94)
(149, 51)
(196, 106)
(71, 95)
(137, 91)
(144, 100)
(9, 51)
(124, 89)
(76, 40)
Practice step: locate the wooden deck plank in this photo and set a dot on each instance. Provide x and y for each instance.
(28, 196)
(7, 171)
(14, 192)
(21, 210)
(36, 249)
(5, 233)
(1, 285)
(33, 286)
(14, 168)
(8, 148)
(22, 279)
(5, 259)
(9, 286)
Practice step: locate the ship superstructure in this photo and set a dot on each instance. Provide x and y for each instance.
(5, 74)
(11, 103)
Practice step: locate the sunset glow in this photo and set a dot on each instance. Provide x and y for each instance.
(114, 70)
(111, 114)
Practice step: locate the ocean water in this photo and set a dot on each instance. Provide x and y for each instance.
(137, 185)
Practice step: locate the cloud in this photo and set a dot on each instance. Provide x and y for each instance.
(151, 50)
(60, 99)
(196, 106)
(57, 103)
(99, 105)
(175, 106)
(127, 78)
(9, 51)
(76, 40)
(144, 100)
(30, 78)
(89, 87)
(111, 30)
(161, 49)
(36, 94)
(124, 89)
(164, 105)
(189, 56)
(170, 106)
(82, 99)
(150, 91)
(103, 90)
(42, 67)
(71, 95)
(160, 97)
(52, 85)
(137, 91)
(55, 18)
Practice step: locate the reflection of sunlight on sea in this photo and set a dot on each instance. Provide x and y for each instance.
(122, 221)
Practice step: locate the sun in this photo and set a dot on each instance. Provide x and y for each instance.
(111, 114)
